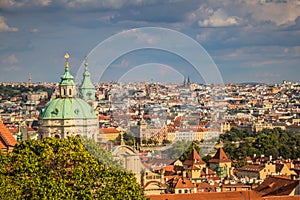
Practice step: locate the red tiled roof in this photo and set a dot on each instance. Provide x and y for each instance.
(193, 167)
(253, 167)
(209, 196)
(184, 183)
(193, 158)
(206, 187)
(219, 157)
(104, 117)
(6, 137)
(276, 186)
(208, 172)
(296, 197)
(154, 182)
(108, 130)
(2, 145)
(169, 168)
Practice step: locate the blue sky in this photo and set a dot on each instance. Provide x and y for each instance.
(250, 41)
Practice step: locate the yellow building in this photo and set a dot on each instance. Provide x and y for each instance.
(108, 134)
(220, 163)
(194, 160)
(256, 172)
(282, 169)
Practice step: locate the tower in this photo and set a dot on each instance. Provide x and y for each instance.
(67, 115)
(87, 89)
(67, 87)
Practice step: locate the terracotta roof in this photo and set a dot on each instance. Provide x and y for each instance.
(209, 196)
(208, 172)
(275, 186)
(169, 168)
(193, 167)
(2, 145)
(6, 137)
(104, 117)
(219, 157)
(154, 182)
(254, 167)
(184, 183)
(282, 198)
(108, 130)
(193, 158)
(206, 187)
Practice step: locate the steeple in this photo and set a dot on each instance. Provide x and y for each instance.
(87, 89)
(67, 85)
(19, 134)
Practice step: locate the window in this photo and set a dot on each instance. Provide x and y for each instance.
(70, 92)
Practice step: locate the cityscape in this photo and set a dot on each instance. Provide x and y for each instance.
(142, 124)
(158, 100)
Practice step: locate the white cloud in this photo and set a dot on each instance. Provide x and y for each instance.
(4, 27)
(266, 63)
(11, 59)
(6, 3)
(23, 3)
(107, 4)
(123, 63)
(220, 19)
(141, 36)
(34, 30)
(12, 68)
(277, 12)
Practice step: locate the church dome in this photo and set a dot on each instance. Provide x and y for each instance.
(67, 108)
(68, 115)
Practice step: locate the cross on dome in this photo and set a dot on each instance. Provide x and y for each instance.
(67, 62)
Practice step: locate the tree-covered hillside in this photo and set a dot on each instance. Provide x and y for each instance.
(239, 144)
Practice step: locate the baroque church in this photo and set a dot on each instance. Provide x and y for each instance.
(70, 115)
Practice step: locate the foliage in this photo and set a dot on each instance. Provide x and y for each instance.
(207, 158)
(182, 149)
(127, 137)
(104, 157)
(7, 91)
(239, 144)
(62, 169)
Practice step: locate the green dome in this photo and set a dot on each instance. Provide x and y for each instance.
(67, 108)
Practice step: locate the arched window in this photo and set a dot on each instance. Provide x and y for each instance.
(64, 91)
(70, 92)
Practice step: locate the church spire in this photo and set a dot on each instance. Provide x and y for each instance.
(19, 134)
(87, 89)
(67, 84)
(67, 60)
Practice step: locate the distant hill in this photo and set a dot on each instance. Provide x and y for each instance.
(251, 83)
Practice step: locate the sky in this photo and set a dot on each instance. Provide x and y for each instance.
(247, 40)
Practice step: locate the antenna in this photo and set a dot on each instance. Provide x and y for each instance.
(30, 79)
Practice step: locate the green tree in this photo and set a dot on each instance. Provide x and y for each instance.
(62, 169)
(182, 149)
